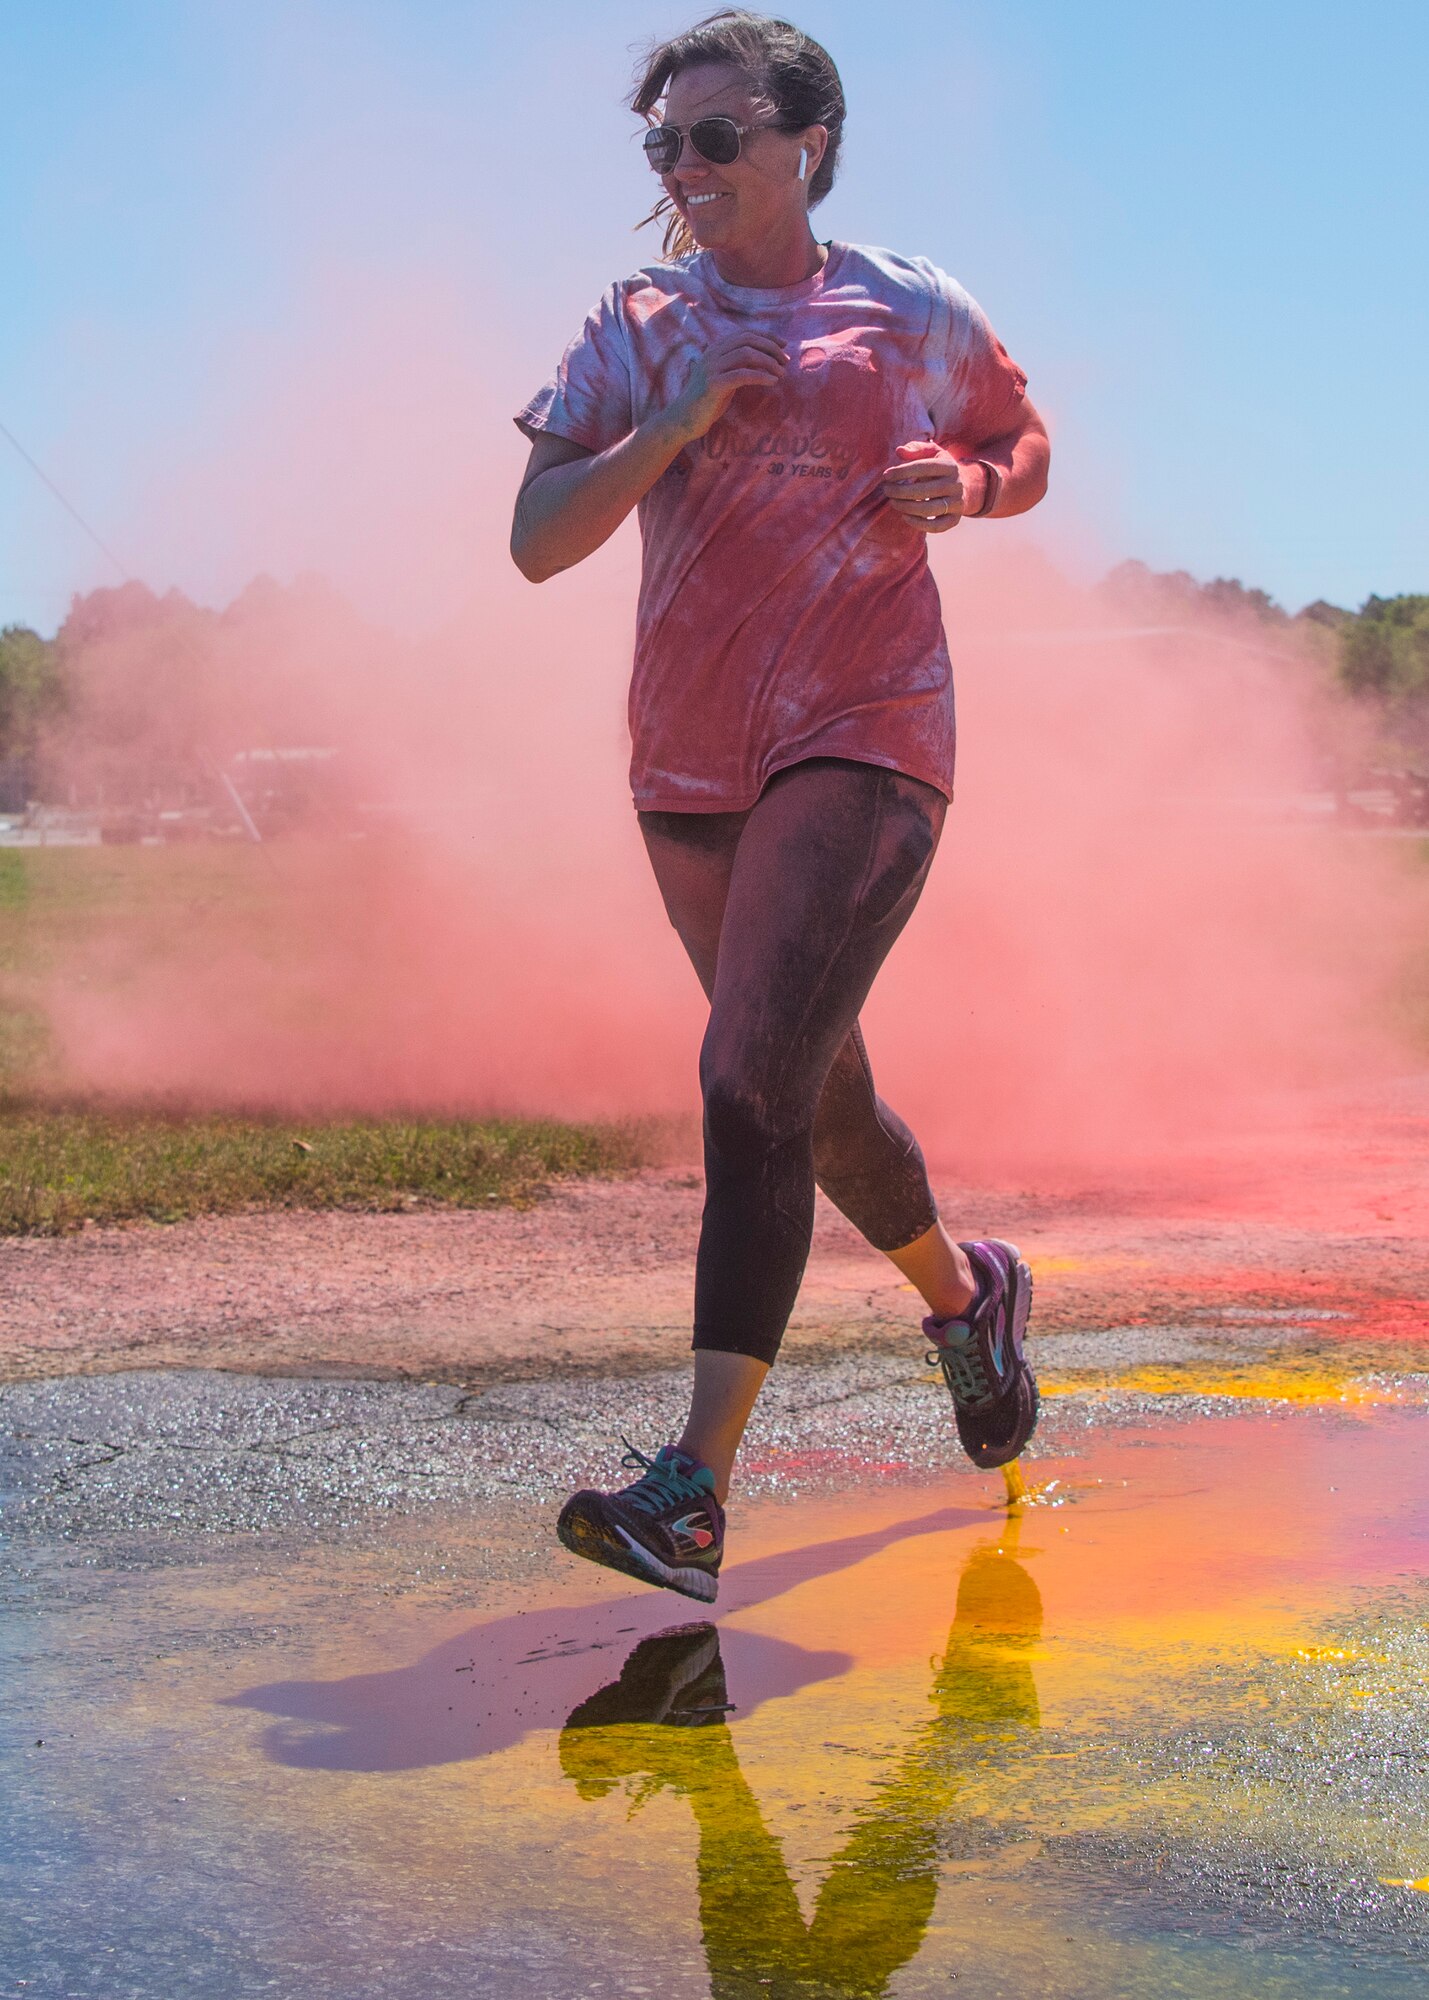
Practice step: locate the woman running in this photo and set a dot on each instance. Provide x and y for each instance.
(791, 418)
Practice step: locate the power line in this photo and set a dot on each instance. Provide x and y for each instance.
(68, 505)
(222, 776)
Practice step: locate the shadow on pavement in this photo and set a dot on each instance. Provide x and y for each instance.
(487, 1688)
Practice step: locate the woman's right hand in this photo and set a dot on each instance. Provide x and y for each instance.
(572, 500)
(745, 361)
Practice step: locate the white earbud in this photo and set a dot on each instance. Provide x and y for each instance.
(803, 161)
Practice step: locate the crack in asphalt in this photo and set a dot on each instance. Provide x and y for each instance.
(290, 1446)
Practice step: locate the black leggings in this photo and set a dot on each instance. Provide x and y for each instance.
(787, 911)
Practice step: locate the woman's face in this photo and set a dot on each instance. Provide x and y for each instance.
(757, 195)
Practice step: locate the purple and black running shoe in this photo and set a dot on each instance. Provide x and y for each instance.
(994, 1391)
(666, 1528)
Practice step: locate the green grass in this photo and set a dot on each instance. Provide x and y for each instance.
(58, 903)
(61, 1167)
(14, 878)
(63, 1164)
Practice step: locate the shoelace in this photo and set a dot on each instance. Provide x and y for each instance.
(962, 1370)
(662, 1483)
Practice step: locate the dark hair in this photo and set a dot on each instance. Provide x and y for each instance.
(788, 71)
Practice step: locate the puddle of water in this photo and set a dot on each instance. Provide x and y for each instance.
(1167, 1740)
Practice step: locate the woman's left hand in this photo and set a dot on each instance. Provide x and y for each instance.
(926, 487)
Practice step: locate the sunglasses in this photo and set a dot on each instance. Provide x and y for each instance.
(716, 140)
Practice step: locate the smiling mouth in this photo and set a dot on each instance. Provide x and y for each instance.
(704, 200)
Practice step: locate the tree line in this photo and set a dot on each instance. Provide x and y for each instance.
(1377, 656)
(140, 697)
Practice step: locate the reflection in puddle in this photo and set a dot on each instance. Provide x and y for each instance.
(1152, 1729)
(662, 1726)
(1167, 1741)
(523, 1673)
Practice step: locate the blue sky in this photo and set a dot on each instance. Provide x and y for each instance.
(1200, 230)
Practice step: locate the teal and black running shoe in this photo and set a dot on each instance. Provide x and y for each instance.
(670, 1696)
(666, 1528)
(675, 1678)
(993, 1388)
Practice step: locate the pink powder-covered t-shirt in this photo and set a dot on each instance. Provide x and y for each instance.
(785, 611)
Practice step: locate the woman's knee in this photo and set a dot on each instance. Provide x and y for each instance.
(745, 1118)
(740, 1120)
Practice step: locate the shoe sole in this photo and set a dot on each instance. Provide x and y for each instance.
(1020, 1285)
(592, 1539)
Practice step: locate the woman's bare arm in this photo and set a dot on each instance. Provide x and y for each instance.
(573, 500)
(932, 488)
(1023, 456)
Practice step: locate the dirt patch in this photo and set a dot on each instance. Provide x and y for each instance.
(1317, 1258)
